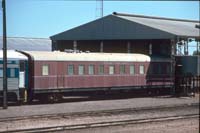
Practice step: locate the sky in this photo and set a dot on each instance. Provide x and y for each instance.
(44, 18)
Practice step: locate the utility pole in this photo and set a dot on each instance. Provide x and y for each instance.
(5, 87)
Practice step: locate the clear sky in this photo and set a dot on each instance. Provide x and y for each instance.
(43, 18)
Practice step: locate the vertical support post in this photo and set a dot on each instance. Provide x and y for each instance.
(172, 54)
(128, 47)
(198, 47)
(5, 87)
(74, 45)
(185, 47)
(54, 45)
(150, 49)
(101, 46)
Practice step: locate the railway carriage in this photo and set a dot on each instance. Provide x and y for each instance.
(17, 74)
(53, 73)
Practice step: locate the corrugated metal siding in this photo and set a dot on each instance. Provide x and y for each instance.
(28, 44)
(13, 84)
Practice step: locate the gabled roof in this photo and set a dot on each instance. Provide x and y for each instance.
(28, 44)
(126, 26)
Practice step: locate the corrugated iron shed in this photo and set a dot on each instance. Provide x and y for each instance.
(127, 26)
(27, 44)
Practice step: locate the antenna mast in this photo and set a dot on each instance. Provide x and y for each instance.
(99, 8)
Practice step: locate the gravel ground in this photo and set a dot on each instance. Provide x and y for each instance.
(83, 106)
(176, 126)
(74, 120)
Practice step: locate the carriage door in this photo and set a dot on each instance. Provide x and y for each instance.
(22, 74)
(60, 75)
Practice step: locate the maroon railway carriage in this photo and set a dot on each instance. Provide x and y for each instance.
(52, 72)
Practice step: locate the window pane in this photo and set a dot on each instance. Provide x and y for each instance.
(91, 69)
(81, 69)
(1, 73)
(101, 69)
(122, 69)
(45, 70)
(70, 70)
(12, 72)
(111, 69)
(132, 69)
(141, 69)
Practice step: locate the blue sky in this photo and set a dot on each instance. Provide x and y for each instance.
(43, 18)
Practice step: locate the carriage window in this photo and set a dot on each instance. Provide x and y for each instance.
(12, 72)
(45, 70)
(122, 69)
(70, 69)
(91, 69)
(132, 69)
(111, 69)
(81, 69)
(101, 69)
(1, 72)
(141, 69)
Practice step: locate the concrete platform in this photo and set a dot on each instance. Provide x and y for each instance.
(83, 106)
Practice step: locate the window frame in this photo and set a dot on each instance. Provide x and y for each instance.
(111, 71)
(133, 66)
(83, 70)
(70, 71)
(122, 69)
(143, 70)
(101, 67)
(89, 69)
(45, 72)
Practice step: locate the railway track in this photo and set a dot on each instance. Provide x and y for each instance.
(100, 112)
(104, 124)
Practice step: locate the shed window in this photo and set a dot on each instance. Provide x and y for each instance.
(91, 69)
(45, 70)
(81, 69)
(70, 69)
(132, 69)
(122, 69)
(12, 72)
(141, 69)
(111, 69)
(101, 69)
(168, 70)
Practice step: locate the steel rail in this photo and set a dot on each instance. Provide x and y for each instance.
(103, 124)
(99, 112)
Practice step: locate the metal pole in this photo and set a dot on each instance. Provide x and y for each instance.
(4, 57)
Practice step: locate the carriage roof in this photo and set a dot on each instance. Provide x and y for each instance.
(13, 55)
(63, 56)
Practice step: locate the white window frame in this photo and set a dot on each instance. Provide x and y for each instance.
(141, 69)
(81, 70)
(91, 69)
(101, 69)
(45, 70)
(122, 69)
(70, 69)
(111, 69)
(132, 69)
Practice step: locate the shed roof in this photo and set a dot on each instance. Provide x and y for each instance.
(28, 44)
(128, 26)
